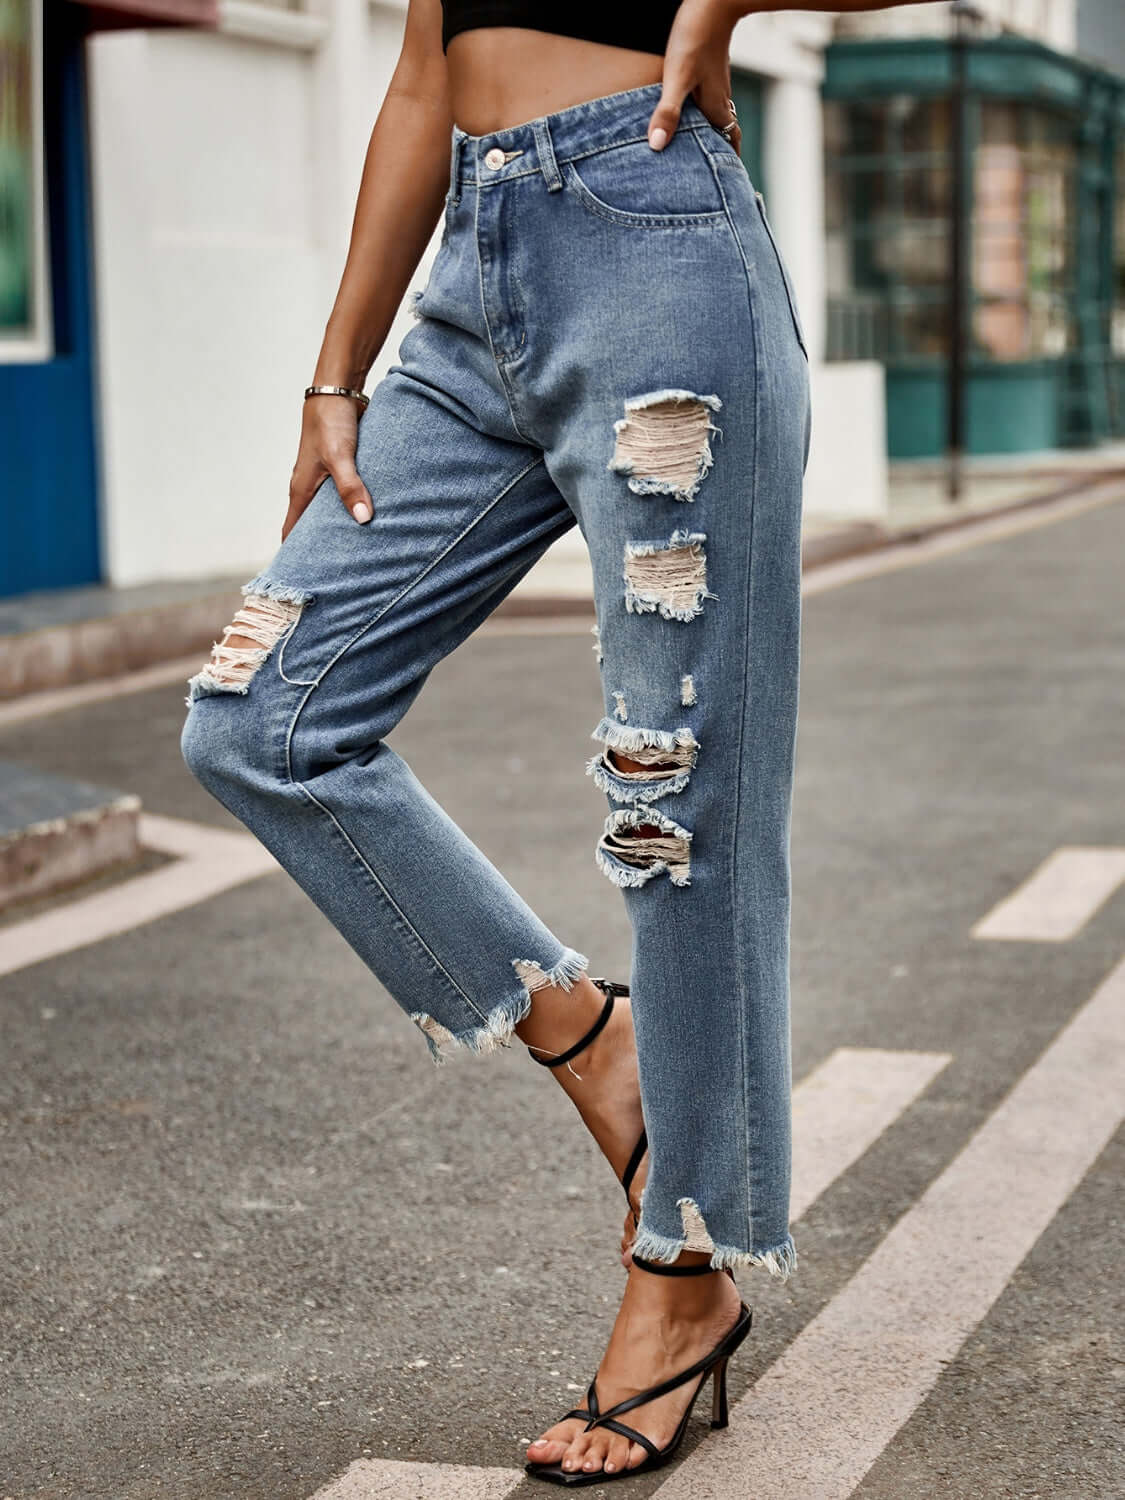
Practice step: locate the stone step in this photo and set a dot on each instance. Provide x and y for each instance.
(55, 832)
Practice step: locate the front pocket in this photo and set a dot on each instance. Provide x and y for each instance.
(634, 185)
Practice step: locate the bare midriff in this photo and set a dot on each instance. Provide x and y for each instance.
(506, 75)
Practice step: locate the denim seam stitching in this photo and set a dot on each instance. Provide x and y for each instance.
(301, 786)
(391, 902)
(488, 327)
(588, 199)
(632, 140)
(390, 604)
(746, 1111)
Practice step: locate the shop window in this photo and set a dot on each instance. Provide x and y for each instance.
(889, 189)
(887, 226)
(1023, 242)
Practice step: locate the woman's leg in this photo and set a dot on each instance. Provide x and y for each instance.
(349, 622)
(657, 360)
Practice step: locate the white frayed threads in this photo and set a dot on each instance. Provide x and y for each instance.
(687, 690)
(496, 1029)
(565, 974)
(667, 576)
(665, 759)
(264, 620)
(597, 646)
(620, 710)
(639, 843)
(780, 1260)
(663, 442)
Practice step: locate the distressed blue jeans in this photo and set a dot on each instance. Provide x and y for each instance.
(608, 337)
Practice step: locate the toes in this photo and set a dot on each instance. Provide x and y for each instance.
(617, 1455)
(597, 1451)
(549, 1448)
(637, 1455)
(575, 1455)
(546, 1450)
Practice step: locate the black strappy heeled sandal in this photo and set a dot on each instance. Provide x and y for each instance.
(713, 1364)
(611, 990)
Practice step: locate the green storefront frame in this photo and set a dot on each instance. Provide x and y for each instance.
(747, 92)
(1072, 397)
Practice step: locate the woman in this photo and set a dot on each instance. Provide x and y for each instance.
(607, 336)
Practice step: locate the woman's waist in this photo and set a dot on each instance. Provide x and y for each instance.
(501, 77)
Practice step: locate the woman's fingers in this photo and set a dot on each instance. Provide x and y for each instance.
(696, 62)
(666, 116)
(328, 445)
(712, 94)
(306, 479)
(353, 491)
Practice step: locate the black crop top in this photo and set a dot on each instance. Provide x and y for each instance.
(642, 25)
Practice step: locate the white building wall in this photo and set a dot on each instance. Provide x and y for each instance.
(225, 168)
(1052, 22)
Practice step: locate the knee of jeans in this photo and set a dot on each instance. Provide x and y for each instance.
(222, 744)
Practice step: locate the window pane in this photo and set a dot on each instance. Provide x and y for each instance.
(1023, 181)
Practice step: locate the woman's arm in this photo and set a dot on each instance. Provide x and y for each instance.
(697, 58)
(401, 194)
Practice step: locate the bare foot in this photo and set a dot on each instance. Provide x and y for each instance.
(664, 1325)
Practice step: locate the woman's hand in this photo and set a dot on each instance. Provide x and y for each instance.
(328, 440)
(697, 62)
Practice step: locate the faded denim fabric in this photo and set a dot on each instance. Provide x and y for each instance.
(608, 336)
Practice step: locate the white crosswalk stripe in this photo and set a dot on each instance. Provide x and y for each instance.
(818, 1418)
(389, 1479)
(207, 861)
(1055, 903)
(839, 1110)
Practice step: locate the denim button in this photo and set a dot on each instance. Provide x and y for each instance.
(494, 158)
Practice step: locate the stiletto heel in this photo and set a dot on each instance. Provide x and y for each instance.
(610, 989)
(719, 1414)
(713, 1364)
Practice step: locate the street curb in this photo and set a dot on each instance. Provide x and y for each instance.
(875, 536)
(48, 856)
(60, 656)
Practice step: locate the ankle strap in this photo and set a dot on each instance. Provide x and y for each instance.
(612, 991)
(662, 1268)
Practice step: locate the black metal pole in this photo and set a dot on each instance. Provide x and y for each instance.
(958, 269)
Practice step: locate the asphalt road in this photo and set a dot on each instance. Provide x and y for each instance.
(249, 1235)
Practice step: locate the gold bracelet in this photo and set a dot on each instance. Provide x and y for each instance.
(337, 390)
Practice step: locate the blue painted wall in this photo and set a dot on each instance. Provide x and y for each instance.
(48, 475)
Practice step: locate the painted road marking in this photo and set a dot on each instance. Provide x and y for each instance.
(389, 1479)
(839, 1110)
(842, 1108)
(823, 1412)
(208, 860)
(1055, 903)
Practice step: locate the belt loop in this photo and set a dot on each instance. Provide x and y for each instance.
(547, 163)
(454, 164)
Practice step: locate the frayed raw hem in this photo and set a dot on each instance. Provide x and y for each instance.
(629, 738)
(203, 685)
(622, 790)
(780, 1260)
(499, 1025)
(281, 593)
(629, 878)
